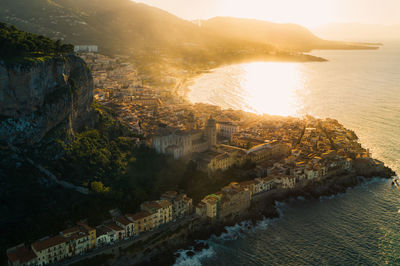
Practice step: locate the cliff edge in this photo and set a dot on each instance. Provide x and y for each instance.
(37, 97)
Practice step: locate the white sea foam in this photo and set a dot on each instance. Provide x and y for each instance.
(300, 198)
(331, 197)
(195, 260)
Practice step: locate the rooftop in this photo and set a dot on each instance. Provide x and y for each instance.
(20, 254)
(48, 242)
(138, 216)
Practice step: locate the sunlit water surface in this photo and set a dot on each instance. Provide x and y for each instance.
(362, 90)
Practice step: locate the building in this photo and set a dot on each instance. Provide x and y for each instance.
(201, 209)
(160, 209)
(209, 206)
(127, 225)
(181, 203)
(211, 132)
(145, 101)
(211, 160)
(86, 48)
(50, 249)
(104, 236)
(284, 181)
(143, 221)
(182, 143)
(235, 200)
(119, 232)
(260, 152)
(21, 256)
(226, 129)
(77, 241)
(249, 185)
(263, 184)
(91, 231)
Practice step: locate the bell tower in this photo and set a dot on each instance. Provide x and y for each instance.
(211, 132)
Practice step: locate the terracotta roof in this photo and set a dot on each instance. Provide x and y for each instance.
(123, 220)
(139, 215)
(20, 254)
(77, 235)
(70, 231)
(151, 205)
(164, 203)
(114, 227)
(48, 242)
(102, 230)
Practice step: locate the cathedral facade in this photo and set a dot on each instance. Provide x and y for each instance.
(180, 143)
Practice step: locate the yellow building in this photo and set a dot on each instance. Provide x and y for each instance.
(77, 241)
(92, 234)
(143, 221)
(50, 250)
(211, 206)
(161, 211)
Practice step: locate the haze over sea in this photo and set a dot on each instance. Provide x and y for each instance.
(362, 90)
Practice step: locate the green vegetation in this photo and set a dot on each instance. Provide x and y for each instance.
(16, 43)
(106, 159)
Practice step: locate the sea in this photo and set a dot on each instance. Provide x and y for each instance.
(361, 89)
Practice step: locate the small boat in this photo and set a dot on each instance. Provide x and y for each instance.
(396, 181)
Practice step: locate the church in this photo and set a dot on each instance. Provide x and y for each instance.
(180, 143)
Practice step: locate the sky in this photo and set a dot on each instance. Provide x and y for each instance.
(310, 13)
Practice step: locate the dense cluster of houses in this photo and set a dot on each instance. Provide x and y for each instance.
(82, 238)
(117, 80)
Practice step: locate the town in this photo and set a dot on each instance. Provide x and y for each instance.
(284, 152)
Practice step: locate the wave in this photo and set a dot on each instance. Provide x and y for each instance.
(185, 259)
(331, 197)
(240, 230)
(245, 228)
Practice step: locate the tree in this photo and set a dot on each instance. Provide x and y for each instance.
(97, 186)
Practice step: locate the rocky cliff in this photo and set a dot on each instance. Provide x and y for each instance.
(37, 97)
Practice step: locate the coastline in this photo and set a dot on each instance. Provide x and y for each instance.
(191, 239)
(182, 86)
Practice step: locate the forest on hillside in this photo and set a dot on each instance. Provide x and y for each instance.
(17, 43)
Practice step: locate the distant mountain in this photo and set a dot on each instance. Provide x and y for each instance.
(123, 26)
(359, 32)
(289, 36)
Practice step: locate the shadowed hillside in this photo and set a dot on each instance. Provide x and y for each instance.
(123, 25)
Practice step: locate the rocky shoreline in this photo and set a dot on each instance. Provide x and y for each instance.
(263, 206)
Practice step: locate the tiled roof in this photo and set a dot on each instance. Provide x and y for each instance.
(70, 231)
(123, 220)
(114, 227)
(139, 215)
(21, 255)
(48, 242)
(164, 203)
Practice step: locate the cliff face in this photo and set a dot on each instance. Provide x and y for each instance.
(36, 98)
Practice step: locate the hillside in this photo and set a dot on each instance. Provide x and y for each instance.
(283, 36)
(123, 26)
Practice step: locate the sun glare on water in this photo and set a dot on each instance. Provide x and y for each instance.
(260, 87)
(271, 87)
